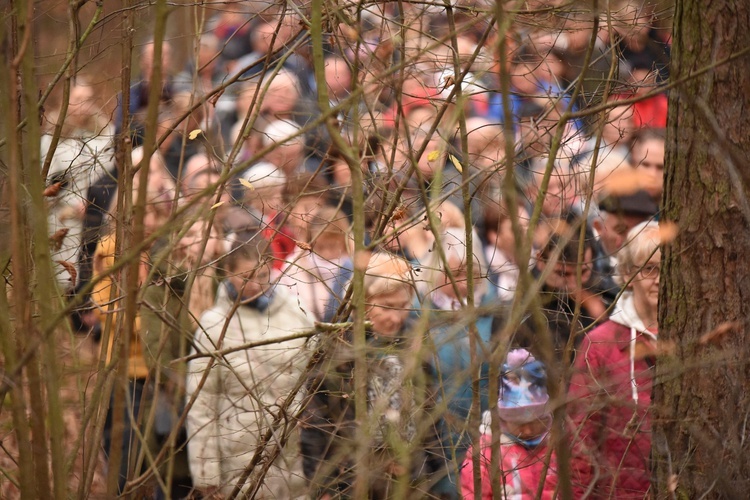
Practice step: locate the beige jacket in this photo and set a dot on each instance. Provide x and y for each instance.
(243, 392)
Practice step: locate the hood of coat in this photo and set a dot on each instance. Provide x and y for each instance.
(225, 298)
(624, 314)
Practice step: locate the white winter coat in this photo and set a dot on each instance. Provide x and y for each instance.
(243, 392)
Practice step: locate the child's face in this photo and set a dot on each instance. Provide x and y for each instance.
(250, 278)
(527, 430)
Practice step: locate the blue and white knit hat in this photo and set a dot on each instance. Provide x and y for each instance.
(523, 391)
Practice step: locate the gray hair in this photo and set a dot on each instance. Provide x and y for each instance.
(642, 242)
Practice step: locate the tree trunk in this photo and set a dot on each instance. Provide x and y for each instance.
(700, 445)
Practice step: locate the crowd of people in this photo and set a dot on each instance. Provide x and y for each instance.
(268, 357)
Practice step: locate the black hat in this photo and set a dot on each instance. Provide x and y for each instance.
(639, 203)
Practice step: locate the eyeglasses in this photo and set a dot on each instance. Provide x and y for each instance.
(650, 271)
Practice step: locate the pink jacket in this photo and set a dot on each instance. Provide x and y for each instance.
(610, 405)
(521, 470)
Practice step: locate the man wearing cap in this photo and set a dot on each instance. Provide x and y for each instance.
(617, 216)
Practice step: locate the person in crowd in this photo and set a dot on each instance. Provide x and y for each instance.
(199, 75)
(648, 111)
(261, 191)
(405, 456)
(288, 153)
(232, 29)
(610, 390)
(616, 135)
(107, 299)
(570, 305)
(140, 90)
(502, 249)
(617, 216)
(83, 155)
(320, 275)
(527, 466)
(167, 319)
(200, 172)
(561, 188)
(235, 401)
(442, 305)
(647, 156)
(637, 40)
(403, 234)
(177, 147)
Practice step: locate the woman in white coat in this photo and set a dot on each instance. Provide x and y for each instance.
(244, 390)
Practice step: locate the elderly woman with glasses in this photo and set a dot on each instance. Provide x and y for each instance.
(611, 385)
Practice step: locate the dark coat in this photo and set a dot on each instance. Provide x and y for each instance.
(403, 434)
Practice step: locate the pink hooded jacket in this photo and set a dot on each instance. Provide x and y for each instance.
(523, 470)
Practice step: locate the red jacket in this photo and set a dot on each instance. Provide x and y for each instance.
(521, 470)
(611, 398)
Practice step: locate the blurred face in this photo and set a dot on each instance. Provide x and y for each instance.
(526, 430)
(190, 245)
(632, 24)
(245, 100)
(388, 311)
(485, 151)
(287, 157)
(298, 221)
(428, 164)
(559, 194)
(619, 127)
(506, 240)
(80, 104)
(563, 276)
(421, 117)
(645, 286)
(338, 78)
(267, 199)
(614, 228)
(281, 97)
(147, 60)
(648, 158)
(330, 245)
(250, 278)
(460, 276)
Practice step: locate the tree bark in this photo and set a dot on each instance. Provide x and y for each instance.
(702, 396)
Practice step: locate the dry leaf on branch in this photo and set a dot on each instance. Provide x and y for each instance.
(56, 240)
(247, 184)
(71, 270)
(717, 334)
(667, 231)
(52, 190)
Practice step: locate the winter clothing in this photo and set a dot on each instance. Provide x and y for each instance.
(611, 396)
(451, 367)
(523, 388)
(102, 296)
(78, 162)
(165, 331)
(243, 391)
(523, 470)
(524, 462)
(403, 432)
(313, 281)
(159, 336)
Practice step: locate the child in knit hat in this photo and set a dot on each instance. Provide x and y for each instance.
(525, 420)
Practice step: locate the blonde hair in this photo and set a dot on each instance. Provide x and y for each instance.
(387, 273)
(642, 242)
